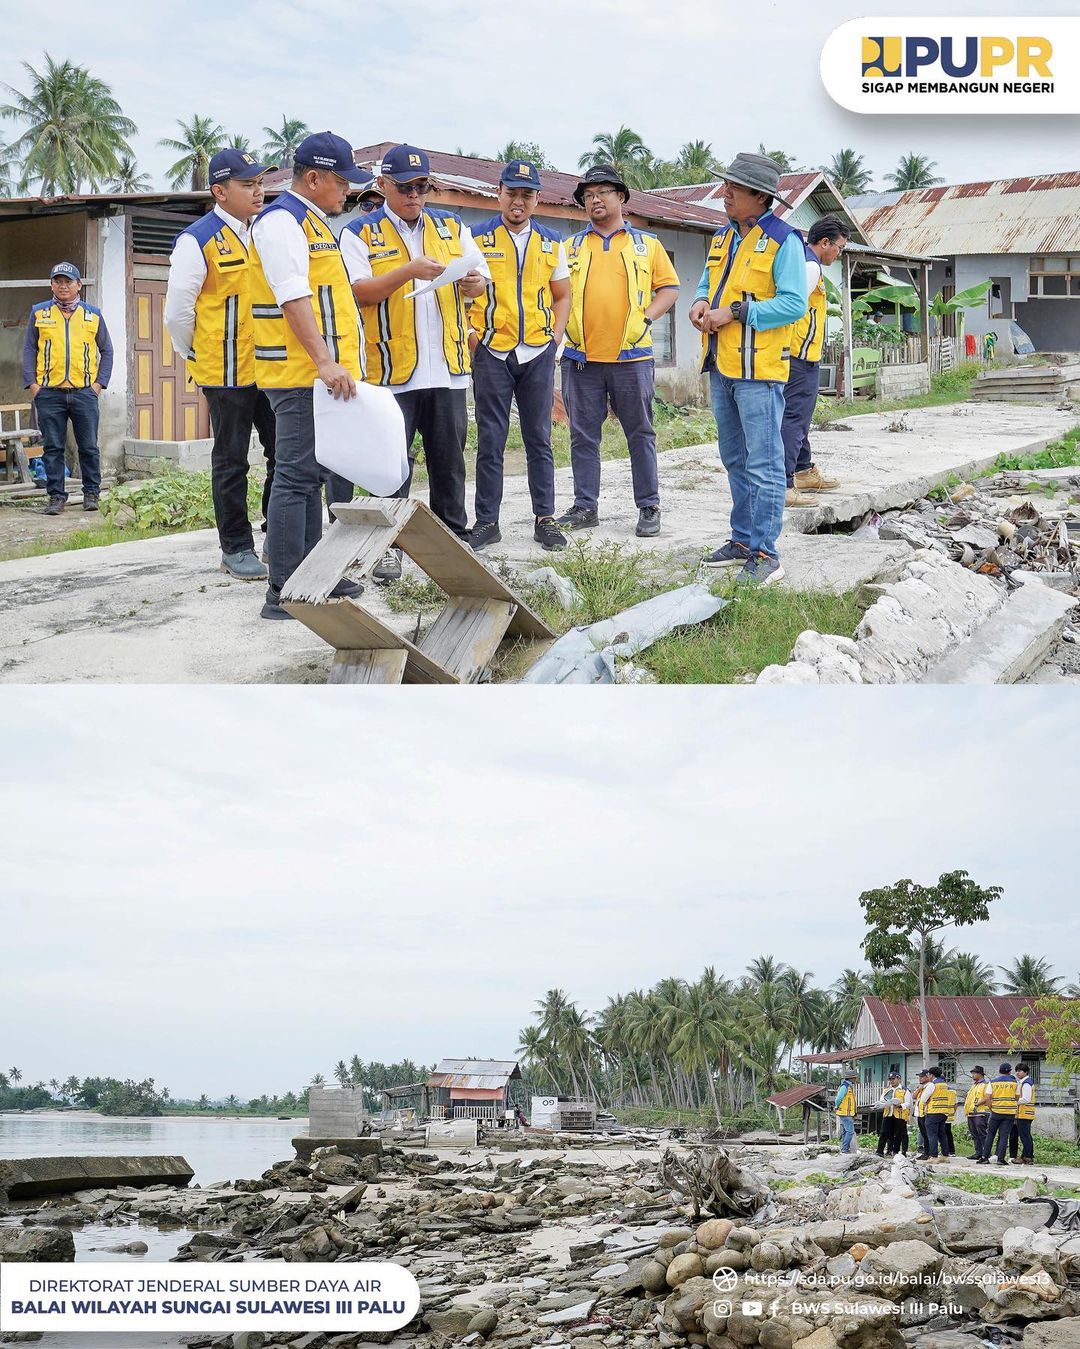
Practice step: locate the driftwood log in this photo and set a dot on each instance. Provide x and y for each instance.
(713, 1182)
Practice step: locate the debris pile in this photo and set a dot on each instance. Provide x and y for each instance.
(1028, 384)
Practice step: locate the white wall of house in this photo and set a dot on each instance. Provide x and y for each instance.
(1052, 324)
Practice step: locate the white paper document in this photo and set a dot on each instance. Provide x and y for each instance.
(362, 438)
(454, 270)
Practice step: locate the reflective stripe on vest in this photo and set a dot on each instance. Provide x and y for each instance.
(1026, 1109)
(280, 359)
(743, 270)
(638, 252)
(390, 325)
(67, 350)
(1003, 1093)
(938, 1103)
(518, 306)
(975, 1102)
(847, 1103)
(223, 341)
(808, 335)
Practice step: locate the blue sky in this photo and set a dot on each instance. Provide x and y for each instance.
(452, 74)
(407, 872)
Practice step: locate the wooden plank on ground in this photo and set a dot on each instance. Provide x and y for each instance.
(453, 565)
(342, 547)
(347, 626)
(368, 667)
(366, 511)
(466, 635)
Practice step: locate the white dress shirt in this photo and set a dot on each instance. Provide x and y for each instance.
(431, 371)
(522, 351)
(187, 273)
(283, 251)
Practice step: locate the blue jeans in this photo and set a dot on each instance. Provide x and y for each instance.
(532, 386)
(294, 512)
(748, 415)
(847, 1133)
(55, 408)
(586, 389)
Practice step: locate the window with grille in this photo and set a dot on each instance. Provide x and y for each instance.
(1054, 278)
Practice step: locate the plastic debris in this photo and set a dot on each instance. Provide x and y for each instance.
(564, 590)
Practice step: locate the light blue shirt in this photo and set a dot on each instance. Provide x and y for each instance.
(789, 275)
(843, 1091)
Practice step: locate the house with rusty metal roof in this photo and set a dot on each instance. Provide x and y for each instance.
(963, 1032)
(471, 1088)
(1021, 234)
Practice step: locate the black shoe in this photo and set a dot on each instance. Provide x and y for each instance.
(272, 608)
(55, 506)
(648, 522)
(346, 590)
(548, 534)
(389, 569)
(578, 517)
(483, 534)
(90, 501)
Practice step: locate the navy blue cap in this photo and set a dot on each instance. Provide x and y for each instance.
(236, 164)
(324, 150)
(66, 269)
(520, 173)
(405, 163)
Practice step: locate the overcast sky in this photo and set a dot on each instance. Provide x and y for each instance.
(449, 74)
(230, 889)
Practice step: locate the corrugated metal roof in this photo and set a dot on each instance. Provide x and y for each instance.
(806, 1091)
(1012, 215)
(474, 1074)
(849, 1055)
(953, 1023)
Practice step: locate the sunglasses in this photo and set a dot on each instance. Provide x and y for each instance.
(420, 189)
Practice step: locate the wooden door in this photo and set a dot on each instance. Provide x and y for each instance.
(168, 405)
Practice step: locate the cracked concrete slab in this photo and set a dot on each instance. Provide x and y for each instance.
(1012, 641)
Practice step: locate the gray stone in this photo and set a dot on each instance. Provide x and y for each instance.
(484, 1322)
(1010, 643)
(31, 1245)
(982, 1227)
(902, 1269)
(248, 1339)
(1064, 1334)
(34, 1177)
(566, 1316)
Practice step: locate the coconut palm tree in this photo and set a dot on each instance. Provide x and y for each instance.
(15, 1075)
(786, 163)
(1029, 977)
(203, 1103)
(849, 991)
(7, 181)
(341, 1072)
(848, 172)
(128, 177)
(765, 970)
(238, 141)
(524, 150)
(622, 150)
(200, 140)
(966, 976)
(697, 1037)
(280, 144)
(913, 172)
(73, 132)
(356, 1071)
(318, 1080)
(696, 163)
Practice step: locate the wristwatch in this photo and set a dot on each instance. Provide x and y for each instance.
(736, 310)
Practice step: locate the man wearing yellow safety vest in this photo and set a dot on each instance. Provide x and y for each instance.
(621, 282)
(825, 242)
(1001, 1094)
(895, 1105)
(418, 347)
(976, 1109)
(1025, 1113)
(752, 290)
(845, 1107)
(67, 361)
(922, 1094)
(306, 327)
(517, 327)
(208, 315)
(936, 1095)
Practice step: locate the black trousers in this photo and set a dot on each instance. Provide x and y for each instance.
(924, 1141)
(234, 413)
(441, 418)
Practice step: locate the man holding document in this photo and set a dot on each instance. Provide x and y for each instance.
(417, 344)
(306, 327)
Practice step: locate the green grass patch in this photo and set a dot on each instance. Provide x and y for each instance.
(950, 386)
(414, 595)
(80, 538)
(1063, 453)
(758, 628)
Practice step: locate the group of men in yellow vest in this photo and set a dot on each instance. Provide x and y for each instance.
(998, 1112)
(266, 300)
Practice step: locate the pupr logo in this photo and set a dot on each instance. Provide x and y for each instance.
(881, 57)
(912, 57)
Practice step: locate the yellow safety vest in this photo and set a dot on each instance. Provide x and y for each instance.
(743, 270)
(638, 252)
(223, 341)
(905, 1110)
(67, 351)
(938, 1104)
(895, 1110)
(390, 325)
(1025, 1109)
(950, 1102)
(975, 1102)
(808, 334)
(280, 359)
(847, 1102)
(518, 306)
(1003, 1094)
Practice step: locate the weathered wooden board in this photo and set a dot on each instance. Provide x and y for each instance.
(368, 667)
(466, 635)
(349, 627)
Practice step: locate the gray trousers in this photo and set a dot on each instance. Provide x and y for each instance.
(586, 388)
(294, 513)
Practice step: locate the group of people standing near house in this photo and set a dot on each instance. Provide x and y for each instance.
(266, 299)
(998, 1112)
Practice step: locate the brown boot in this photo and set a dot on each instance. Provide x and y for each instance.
(55, 506)
(793, 497)
(813, 480)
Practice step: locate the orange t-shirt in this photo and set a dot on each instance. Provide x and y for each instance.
(606, 305)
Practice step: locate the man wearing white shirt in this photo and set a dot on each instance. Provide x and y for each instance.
(418, 347)
(208, 315)
(307, 328)
(517, 326)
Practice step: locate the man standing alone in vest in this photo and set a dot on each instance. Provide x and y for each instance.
(845, 1107)
(306, 327)
(824, 243)
(621, 281)
(67, 361)
(419, 348)
(208, 315)
(752, 290)
(516, 329)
